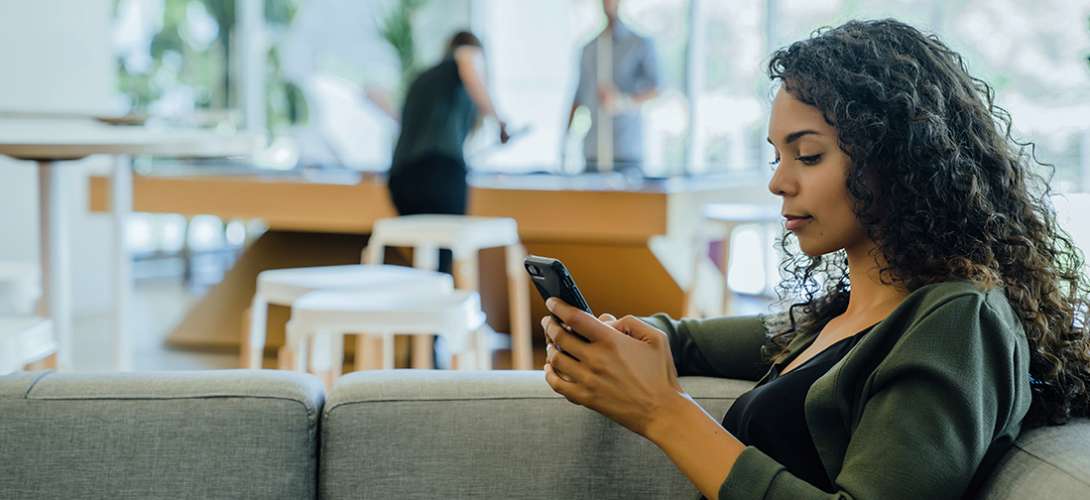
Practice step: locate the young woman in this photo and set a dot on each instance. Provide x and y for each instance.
(937, 307)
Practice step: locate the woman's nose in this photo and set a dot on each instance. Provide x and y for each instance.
(780, 185)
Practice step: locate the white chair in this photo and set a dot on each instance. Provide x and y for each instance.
(26, 340)
(376, 316)
(719, 222)
(464, 236)
(284, 286)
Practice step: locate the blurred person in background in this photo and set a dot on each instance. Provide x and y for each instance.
(443, 105)
(618, 73)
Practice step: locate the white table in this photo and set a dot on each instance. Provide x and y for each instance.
(50, 141)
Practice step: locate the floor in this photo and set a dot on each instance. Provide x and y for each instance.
(158, 304)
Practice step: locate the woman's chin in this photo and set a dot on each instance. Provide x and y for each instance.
(816, 248)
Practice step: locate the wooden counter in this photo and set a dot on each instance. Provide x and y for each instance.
(628, 244)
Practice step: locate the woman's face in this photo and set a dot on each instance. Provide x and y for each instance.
(811, 177)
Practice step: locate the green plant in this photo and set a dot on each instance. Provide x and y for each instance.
(397, 30)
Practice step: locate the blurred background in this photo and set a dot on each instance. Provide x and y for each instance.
(317, 79)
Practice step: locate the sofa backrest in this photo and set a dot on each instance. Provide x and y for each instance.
(443, 434)
(1049, 462)
(215, 434)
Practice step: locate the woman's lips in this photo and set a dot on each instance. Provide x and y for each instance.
(795, 222)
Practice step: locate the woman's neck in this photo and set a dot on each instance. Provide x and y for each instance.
(868, 293)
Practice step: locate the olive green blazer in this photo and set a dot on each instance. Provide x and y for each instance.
(921, 408)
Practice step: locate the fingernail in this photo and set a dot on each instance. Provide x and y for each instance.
(550, 303)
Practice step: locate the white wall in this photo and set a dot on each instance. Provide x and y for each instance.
(55, 55)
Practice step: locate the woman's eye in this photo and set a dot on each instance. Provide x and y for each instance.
(809, 160)
(775, 161)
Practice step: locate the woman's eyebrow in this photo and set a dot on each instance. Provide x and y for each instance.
(794, 136)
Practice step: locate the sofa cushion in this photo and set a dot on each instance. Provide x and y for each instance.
(503, 434)
(1049, 462)
(213, 434)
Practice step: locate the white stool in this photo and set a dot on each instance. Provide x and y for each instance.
(25, 340)
(720, 221)
(376, 316)
(284, 286)
(464, 236)
(20, 287)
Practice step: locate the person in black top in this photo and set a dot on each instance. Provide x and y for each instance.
(443, 105)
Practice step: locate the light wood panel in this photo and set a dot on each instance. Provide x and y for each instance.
(603, 235)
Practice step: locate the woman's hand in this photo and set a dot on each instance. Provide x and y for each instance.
(622, 368)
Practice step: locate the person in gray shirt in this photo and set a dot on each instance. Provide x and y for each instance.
(618, 72)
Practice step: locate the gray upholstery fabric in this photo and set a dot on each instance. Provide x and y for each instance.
(409, 434)
(223, 434)
(403, 434)
(1046, 463)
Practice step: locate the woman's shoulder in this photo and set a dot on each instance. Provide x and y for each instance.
(950, 297)
(936, 309)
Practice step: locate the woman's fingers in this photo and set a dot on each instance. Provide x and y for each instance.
(606, 318)
(637, 329)
(582, 323)
(562, 338)
(574, 370)
(566, 388)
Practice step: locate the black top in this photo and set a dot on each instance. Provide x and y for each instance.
(770, 417)
(437, 117)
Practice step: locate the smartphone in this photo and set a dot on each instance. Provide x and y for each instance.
(552, 279)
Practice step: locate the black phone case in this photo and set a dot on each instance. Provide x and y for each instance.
(554, 280)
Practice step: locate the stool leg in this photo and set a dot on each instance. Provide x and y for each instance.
(321, 357)
(361, 352)
(518, 301)
(465, 272)
(691, 306)
(296, 345)
(254, 349)
(426, 256)
(463, 360)
(726, 270)
(284, 358)
(466, 278)
(482, 347)
(336, 355)
(370, 351)
(388, 351)
(422, 347)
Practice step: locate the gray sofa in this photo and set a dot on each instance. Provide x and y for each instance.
(400, 434)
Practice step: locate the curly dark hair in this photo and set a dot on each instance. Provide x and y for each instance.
(959, 198)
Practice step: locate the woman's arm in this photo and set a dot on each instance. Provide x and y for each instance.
(728, 347)
(471, 70)
(930, 412)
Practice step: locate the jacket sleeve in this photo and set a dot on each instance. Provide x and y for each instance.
(932, 407)
(728, 347)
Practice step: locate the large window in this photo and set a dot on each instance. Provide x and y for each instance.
(321, 56)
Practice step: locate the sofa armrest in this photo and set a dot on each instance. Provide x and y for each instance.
(500, 434)
(214, 434)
